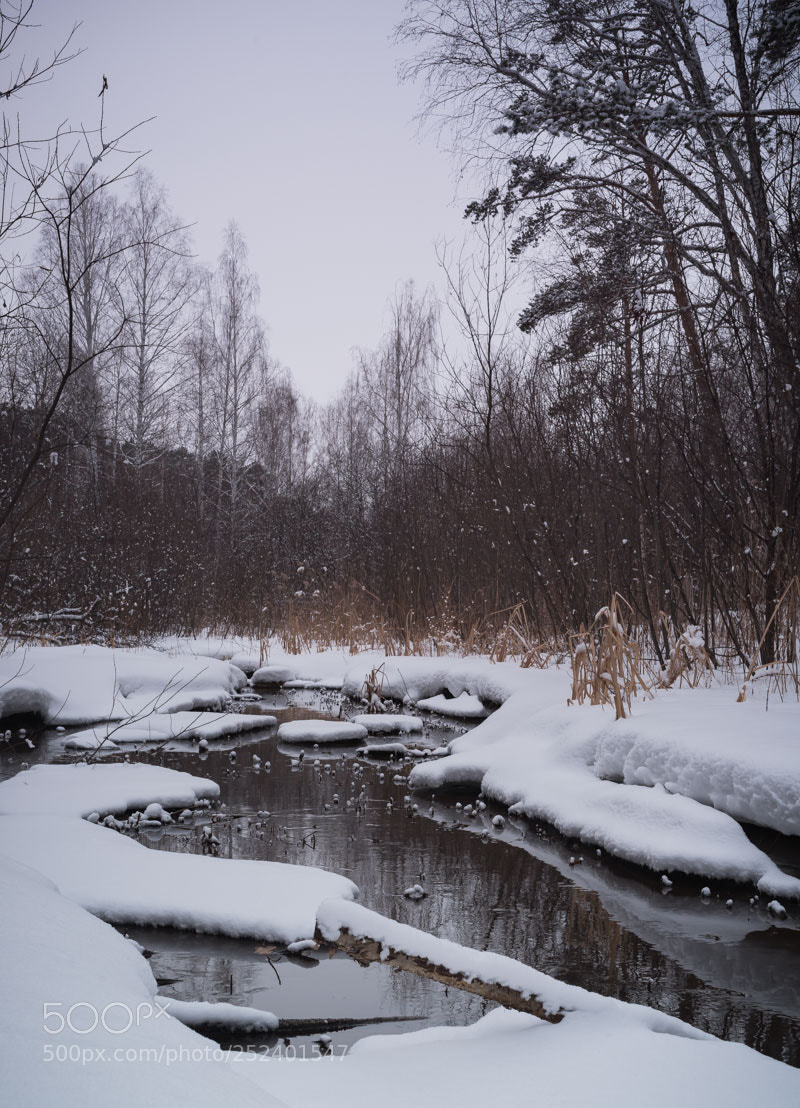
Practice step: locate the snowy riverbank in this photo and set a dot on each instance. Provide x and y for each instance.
(667, 788)
(83, 1022)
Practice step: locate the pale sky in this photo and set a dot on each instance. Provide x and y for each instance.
(287, 116)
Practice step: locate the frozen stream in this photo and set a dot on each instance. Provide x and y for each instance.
(734, 972)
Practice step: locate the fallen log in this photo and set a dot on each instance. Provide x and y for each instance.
(365, 951)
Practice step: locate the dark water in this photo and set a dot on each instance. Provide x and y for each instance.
(605, 926)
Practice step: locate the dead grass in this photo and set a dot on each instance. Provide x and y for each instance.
(689, 662)
(372, 690)
(612, 660)
(607, 664)
(783, 675)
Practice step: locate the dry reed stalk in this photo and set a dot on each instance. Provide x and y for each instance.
(607, 662)
(373, 690)
(688, 658)
(783, 673)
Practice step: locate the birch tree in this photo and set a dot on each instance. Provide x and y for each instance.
(157, 285)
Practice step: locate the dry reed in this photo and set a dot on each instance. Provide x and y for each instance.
(781, 675)
(606, 662)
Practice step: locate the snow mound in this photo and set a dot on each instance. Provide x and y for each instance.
(81, 790)
(72, 685)
(412, 679)
(320, 731)
(122, 881)
(158, 728)
(53, 956)
(273, 675)
(389, 724)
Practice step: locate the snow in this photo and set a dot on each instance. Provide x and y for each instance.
(320, 731)
(313, 669)
(273, 675)
(301, 946)
(664, 788)
(464, 706)
(122, 881)
(54, 955)
(603, 1059)
(73, 685)
(389, 724)
(233, 1017)
(603, 1052)
(155, 811)
(159, 728)
(80, 790)
(79, 960)
(52, 951)
(410, 679)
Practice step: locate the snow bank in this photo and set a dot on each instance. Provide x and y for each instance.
(121, 881)
(603, 1059)
(388, 724)
(79, 790)
(603, 1052)
(273, 665)
(53, 953)
(413, 679)
(663, 789)
(738, 758)
(159, 728)
(53, 956)
(73, 685)
(321, 731)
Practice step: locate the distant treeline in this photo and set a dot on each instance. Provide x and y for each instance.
(637, 428)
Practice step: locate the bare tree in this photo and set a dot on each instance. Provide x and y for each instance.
(53, 187)
(157, 284)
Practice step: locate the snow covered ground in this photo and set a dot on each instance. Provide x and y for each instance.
(62, 968)
(161, 727)
(82, 1024)
(72, 685)
(665, 788)
(58, 961)
(80, 790)
(603, 1059)
(122, 881)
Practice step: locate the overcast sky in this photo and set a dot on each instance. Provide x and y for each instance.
(287, 116)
